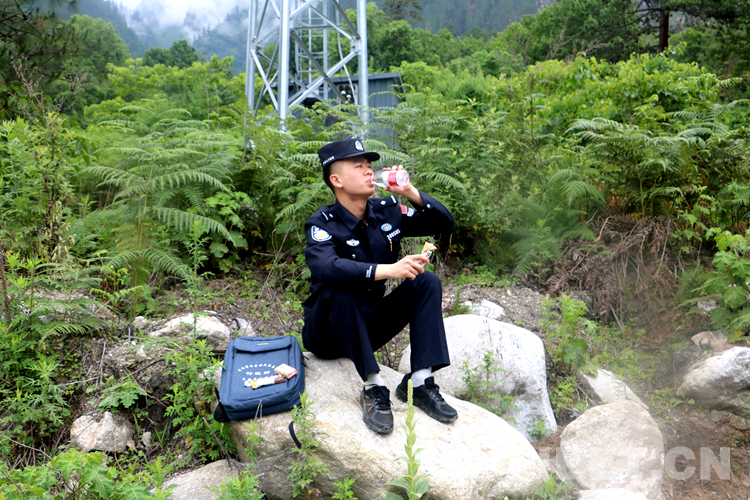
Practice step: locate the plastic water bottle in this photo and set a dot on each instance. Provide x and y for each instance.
(385, 178)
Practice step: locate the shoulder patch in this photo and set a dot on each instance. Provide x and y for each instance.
(319, 234)
(407, 211)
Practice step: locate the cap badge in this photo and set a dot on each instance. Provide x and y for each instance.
(358, 146)
(386, 227)
(320, 234)
(352, 243)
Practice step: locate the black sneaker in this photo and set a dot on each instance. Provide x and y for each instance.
(428, 398)
(376, 408)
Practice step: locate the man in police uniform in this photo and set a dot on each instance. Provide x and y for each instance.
(352, 249)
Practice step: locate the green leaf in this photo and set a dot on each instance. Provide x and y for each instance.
(735, 296)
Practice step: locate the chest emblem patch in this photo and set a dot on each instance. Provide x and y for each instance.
(386, 227)
(352, 243)
(320, 234)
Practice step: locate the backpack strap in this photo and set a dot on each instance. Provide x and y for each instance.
(294, 436)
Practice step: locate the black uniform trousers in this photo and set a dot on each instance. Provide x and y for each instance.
(346, 324)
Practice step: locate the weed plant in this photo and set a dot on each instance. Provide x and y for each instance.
(45, 314)
(482, 381)
(413, 483)
(304, 470)
(192, 368)
(76, 475)
(344, 490)
(539, 431)
(565, 322)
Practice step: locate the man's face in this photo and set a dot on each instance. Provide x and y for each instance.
(353, 176)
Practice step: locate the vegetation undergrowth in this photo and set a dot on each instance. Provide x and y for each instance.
(482, 382)
(304, 470)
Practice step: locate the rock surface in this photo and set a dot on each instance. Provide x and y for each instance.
(106, 433)
(477, 457)
(720, 382)
(617, 445)
(519, 353)
(611, 494)
(606, 388)
(485, 309)
(242, 327)
(202, 326)
(195, 485)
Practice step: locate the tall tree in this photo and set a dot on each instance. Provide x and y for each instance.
(403, 10)
(180, 55)
(33, 39)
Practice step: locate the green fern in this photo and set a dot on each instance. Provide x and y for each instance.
(161, 173)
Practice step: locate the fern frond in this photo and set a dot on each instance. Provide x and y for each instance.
(136, 109)
(180, 178)
(176, 112)
(576, 190)
(168, 263)
(305, 200)
(443, 179)
(183, 221)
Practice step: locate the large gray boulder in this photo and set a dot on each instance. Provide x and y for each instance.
(479, 456)
(720, 382)
(617, 445)
(519, 353)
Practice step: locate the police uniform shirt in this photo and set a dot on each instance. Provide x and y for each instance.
(343, 251)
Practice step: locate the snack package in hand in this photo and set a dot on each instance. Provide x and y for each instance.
(427, 250)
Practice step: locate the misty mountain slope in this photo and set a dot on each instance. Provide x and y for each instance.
(488, 15)
(226, 39)
(110, 12)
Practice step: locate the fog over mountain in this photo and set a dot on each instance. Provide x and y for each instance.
(191, 17)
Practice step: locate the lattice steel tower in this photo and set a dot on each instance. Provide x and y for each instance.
(300, 66)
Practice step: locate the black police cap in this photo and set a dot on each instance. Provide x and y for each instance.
(345, 148)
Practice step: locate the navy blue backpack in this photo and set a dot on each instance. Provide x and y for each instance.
(252, 358)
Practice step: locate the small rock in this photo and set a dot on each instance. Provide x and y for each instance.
(710, 340)
(707, 305)
(140, 323)
(141, 354)
(146, 439)
(243, 327)
(107, 433)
